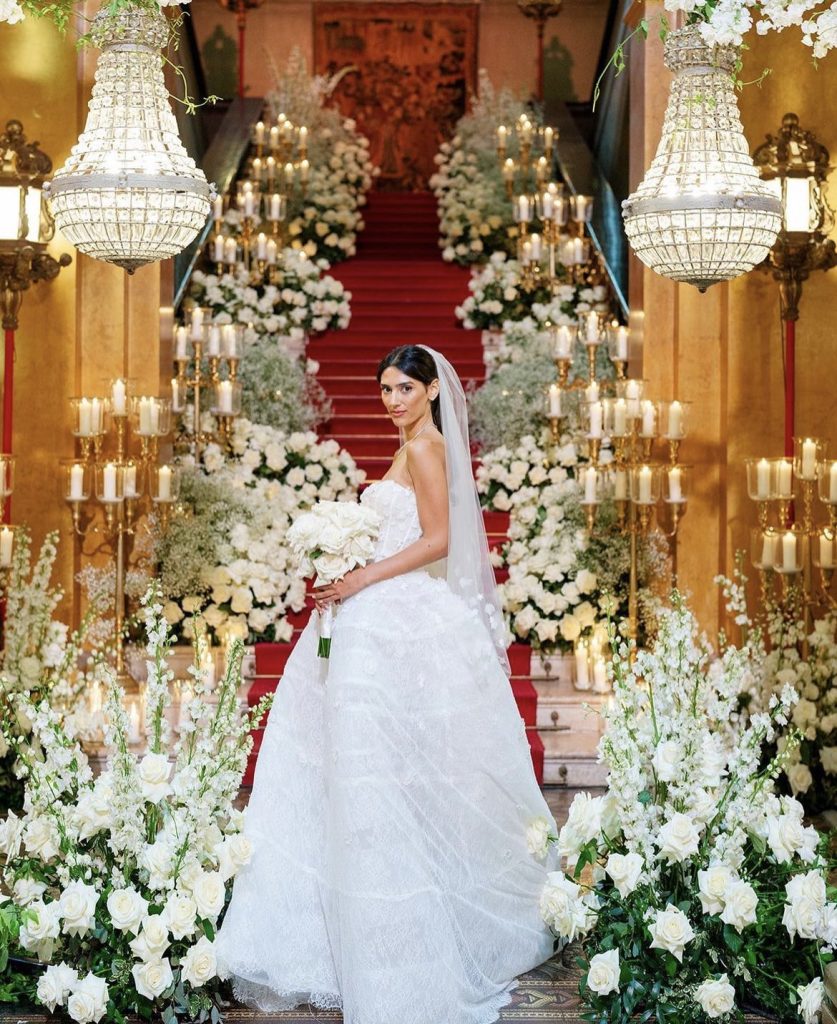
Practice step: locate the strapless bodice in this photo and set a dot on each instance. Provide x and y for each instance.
(396, 505)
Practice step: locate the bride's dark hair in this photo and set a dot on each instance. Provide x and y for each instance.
(417, 363)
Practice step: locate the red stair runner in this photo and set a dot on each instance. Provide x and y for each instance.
(402, 293)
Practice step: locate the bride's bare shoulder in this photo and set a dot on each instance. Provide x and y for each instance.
(426, 455)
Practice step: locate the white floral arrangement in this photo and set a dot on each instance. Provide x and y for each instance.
(551, 598)
(252, 584)
(328, 542)
(497, 295)
(707, 892)
(475, 215)
(303, 301)
(122, 880)
(324, 223)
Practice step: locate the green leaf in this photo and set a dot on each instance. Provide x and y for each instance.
(732, 938)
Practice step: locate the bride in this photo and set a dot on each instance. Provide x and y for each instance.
(390, 874)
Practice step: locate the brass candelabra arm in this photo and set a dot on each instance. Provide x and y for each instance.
(677, 511)
(563, 367)
(826, 578)
(84, 525)
(763, 509)
(673, 450)
(783, 511)
(594, 445)
(808, 505)
(621, 367)
(590, 510)
(555, 429)
(591, 361)
(647, 448)
(622, 514)
(232, 366)
(121, 430)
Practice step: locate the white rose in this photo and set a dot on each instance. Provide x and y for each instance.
(234, 853)
(537, 838)
(154, 771)
(27, 890)
(88, 1000)
(603, 973)
(625, 870)
(678, 839)
(37, 935)
(740, 903)
(803, 918)
(209, 893)
(562, 908)
(78, 908)
(199, 964)
(810, 1000)
(667, 759)
(153, 939)
(670, 930)
(127, 909)
(712, 885)
(828, 758)
(786, 836)
(152, 977)
(11, 834)
(158, 860)
(41, 838)
(180, 915)
(716, 997)
(800, 778)
(55, 984)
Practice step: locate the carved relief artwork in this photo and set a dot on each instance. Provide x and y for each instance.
(413, 67)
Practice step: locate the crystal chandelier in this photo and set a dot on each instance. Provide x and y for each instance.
(701, 214)
(129, 193)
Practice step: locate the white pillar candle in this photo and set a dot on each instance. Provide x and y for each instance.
(129, 481)
(621, 344)
(304, 168)
(762, 480)
(270, 168)
(144, 427)
(620, 484)
(164, 483)
(84, 418)
(591, 392)
(181, 341)
(768, 550)
(582, 669)
(502, 133)
(289, 174)
(134, 723)
(600, 683)
(274, 136)
(548, 137)
(230, 251)
(826, 551)
(213, 341)
(809, 459)
(272, 250)
(675, 421)
(591, 479)
(645, 485)
(596, 418)
(592, 333)
(784, 479)
(547, 205)
(197, 324)
(523, 213)
(303, 135)
(789, 551)
(6, 542)
(118, 398)
(261, 246)
(578, 250)
(259, 133)
(257, 169)
(832, 483)
(508, 170)
(537, 248)
(224, 396)
(218, 208)
(176, 401)
(249, 204)
(96, 411)
(229, 341)
(563, 342)
(218, 248)
(77, 482)
(675, 485)
(526, 253)
(275, 206)
(554, 400)
(109, 482)
(620, 417)
(649, 419)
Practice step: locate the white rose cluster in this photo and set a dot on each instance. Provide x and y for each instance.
(333, 538)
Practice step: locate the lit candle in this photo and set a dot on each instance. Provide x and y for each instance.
(164, 483)
(96, 410)
(675, 485)
(270, 167)
(826, 551)
(809, 459)
(620, 417)
(197, 324)
(649, 419)
(77, 482)
(304, 168)
(645, 485)
(583, 207)
(144, 428)
(582, 670)
(548, 137)
(118, 397)
(272, 251)
(768, 553)
(784, 479)
(84, 418)
(213, 341)
(554, 400)
(591, 479)
(600, 683)
(218, 248)
(789, 551)
(231, 338)
(176, 401)
(261, 246)
(592, 333)
(129, 481)
(6, 541)
(275, 206)
(563, 342)
(675, 421)
(249, 204)
(289, 173)
(224, 396)
(508, 169)
(523, 214)
(109, 482)
(547, 205)
(596, 418)
(832, 483)
(274, 136)
(259, 133)
(591, 392)
(577, 250)
(620, 484)
(230, 251)
(133, 723)
(181, 351)
(535, 242)
(526, 253)
(257, 169)
(502, 134)
(762, 480)
(218, 208)
(621, 344)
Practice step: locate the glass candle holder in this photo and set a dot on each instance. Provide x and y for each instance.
(648, 418)
(109, 482)
(199, 318)
(227, 398)
(524, 208)
(592, 419)
(581, 208)
(782, 479)
(631, 390)
(591, 480)
(131, 479)
(182, 352)
(618, 337)
(619, 483)
(563, 341)
(7, 546)
(759, 479)
(75, 480)
(763, 547)
(788, 552)
(88, 417)
(676, 485)
(151, 416)
(644, 484)
(178, 395)
(827, 476)
(825, 549)
(7, 475)
(118, 402)
(808, 453)
(592, 328)
(553, 402)
(673, 419)
(165, 484)
(212, 348)
(232, 341)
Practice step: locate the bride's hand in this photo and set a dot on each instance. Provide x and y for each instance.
(334, 593)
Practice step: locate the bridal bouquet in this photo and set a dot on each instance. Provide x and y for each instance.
(707, 891)
(119, 882)
(329, 541)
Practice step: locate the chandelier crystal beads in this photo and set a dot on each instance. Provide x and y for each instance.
(129, 193)
(701, 214)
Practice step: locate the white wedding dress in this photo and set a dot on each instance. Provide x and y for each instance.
(390, 875)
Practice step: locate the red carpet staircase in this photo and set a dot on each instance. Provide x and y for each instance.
(402, 293)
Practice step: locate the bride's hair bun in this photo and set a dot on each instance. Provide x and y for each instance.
(415, 362)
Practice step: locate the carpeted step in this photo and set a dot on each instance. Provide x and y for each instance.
(526, 698)
(536, 749)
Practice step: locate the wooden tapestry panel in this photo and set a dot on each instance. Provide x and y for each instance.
(416, 66)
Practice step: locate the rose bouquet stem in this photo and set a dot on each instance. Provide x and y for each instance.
(326, 623)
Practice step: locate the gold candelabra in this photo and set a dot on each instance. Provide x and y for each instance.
(117, 471)
(792, 542)
(214, 348)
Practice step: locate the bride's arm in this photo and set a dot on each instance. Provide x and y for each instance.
(426, 466)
